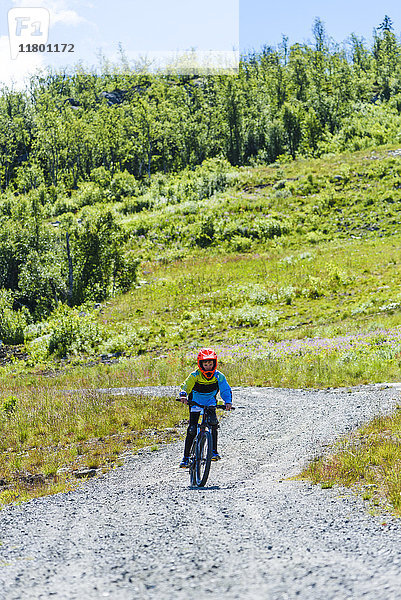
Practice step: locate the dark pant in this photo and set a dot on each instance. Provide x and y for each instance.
(192, 430)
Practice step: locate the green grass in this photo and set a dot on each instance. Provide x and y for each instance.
(328, 268)
(346, 195)
(48, 436)
(337, 288)
(334, 271)
(369, 461)
(331, 272)
(334, 288)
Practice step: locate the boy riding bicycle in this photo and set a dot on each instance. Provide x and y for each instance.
(202, 386)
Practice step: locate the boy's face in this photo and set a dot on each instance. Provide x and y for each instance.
(207, 365)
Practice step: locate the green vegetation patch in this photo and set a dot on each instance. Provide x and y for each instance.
(369, 460)
(316, 315)
(49, 440)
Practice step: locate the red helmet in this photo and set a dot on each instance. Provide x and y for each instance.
(207, 354)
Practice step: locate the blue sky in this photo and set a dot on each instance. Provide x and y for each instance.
(176, 25)
(265, 22)
(140, 27)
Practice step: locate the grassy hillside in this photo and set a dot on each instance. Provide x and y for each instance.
(300, 250)
(291, 271)
(347, 195)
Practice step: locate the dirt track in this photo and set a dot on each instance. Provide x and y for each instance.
(141, 532)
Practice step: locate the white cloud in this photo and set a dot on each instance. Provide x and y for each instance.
(68, 17)
(60, 10)
(15, 72)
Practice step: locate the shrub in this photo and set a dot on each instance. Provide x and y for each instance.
(123, 185)
(38, 350)
(212, 176)
(41, 283)
(141, 226)
(204, 233)
(189, 208)
(282, 194)
(251, 316)
(275, 143)
(194, 185)
(270, 228)
(7, 203)
(100, 264)
(134, 205)
(364, 308)
(89, 193)
(65, 205)
(101, 176)
(227, 229)
(73, 332)
(12, 323)
(125, 272)
(313, 237)
(36, 330)
(238, 243)
(9, 405)
(123, 342)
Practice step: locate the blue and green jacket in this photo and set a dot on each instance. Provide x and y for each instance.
(204, 391)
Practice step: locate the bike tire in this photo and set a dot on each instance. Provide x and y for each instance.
(203, 457)
(192, 464)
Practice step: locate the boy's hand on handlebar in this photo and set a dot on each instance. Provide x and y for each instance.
(183, 398)
(228, 406)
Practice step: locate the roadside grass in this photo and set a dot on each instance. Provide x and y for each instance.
(369, 461)
(314, 367)
(50, 440)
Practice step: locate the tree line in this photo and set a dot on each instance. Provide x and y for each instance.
(77, 139)
(283, 100)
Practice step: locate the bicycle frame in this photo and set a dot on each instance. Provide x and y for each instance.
(200, 457)
(201, 452)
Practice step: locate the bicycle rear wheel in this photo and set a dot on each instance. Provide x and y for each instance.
(203, 457)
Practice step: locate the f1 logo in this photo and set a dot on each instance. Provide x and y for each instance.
(27, 25)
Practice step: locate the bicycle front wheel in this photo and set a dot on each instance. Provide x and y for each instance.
(203, 457)
(192, 464)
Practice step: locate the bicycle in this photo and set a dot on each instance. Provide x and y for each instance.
(200, 456)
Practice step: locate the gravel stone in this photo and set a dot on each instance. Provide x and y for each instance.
(141, 532)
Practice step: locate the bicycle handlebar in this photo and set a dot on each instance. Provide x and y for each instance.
(193, 403)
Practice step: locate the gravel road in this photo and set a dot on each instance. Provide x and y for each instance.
(140, 532)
